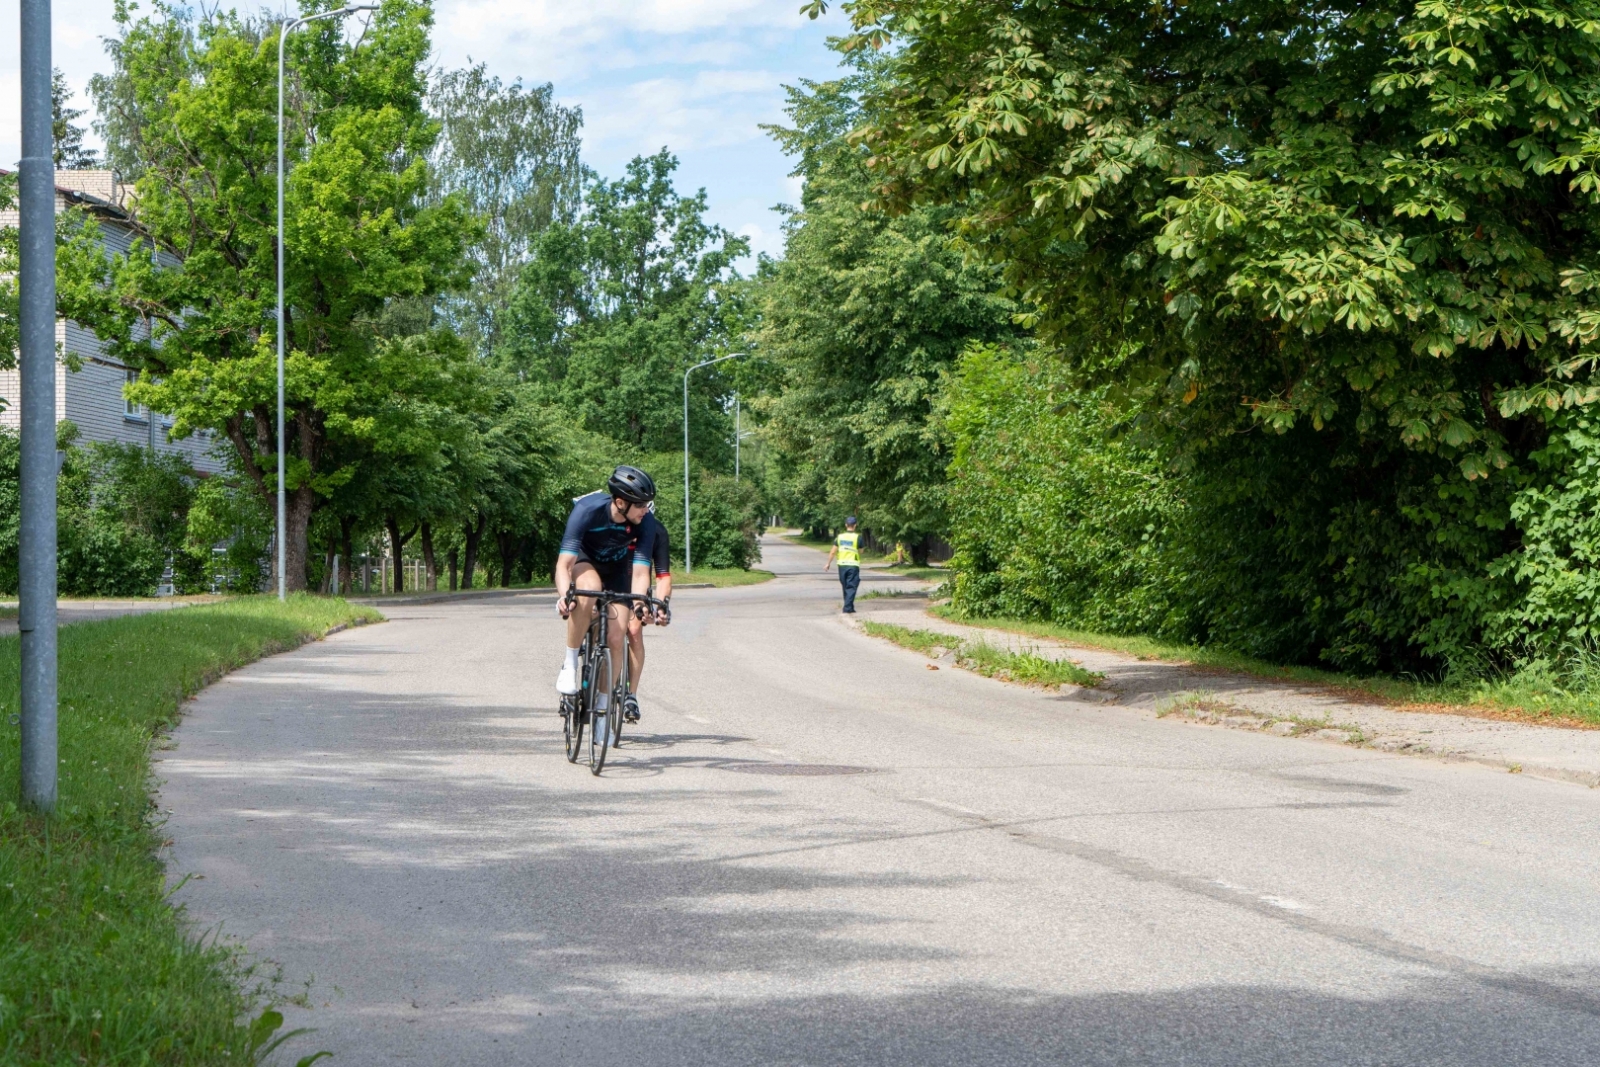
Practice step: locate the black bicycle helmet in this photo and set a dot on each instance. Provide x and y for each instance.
(632, 485)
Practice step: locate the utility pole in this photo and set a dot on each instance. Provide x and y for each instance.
(36, 186)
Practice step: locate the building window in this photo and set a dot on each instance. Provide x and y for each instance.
(130, 409)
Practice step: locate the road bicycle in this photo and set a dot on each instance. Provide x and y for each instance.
(603, 685)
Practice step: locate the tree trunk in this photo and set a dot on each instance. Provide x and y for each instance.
(297, 542)
(397, 542)
(508, 556)
(430, 566)
(450, 561)
(347, 574)
(473, 532)
(919, 551)
(327, 566)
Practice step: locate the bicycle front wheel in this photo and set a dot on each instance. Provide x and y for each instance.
(572, 723)
(601, 682)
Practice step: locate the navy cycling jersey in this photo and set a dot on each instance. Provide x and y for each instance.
(592, 532)
(654, 547)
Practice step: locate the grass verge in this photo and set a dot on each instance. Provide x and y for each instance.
(1026, 667)
(722, 577)
(1523, 697)
(95, 965)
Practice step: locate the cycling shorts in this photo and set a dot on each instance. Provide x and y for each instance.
(614, 577)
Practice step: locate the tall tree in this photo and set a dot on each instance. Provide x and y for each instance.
(1339, 256)
(190, 105)
(865, 313)
(69, 151)
(615, 305)
(511, 152)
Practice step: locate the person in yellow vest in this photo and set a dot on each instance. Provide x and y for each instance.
(847, 549)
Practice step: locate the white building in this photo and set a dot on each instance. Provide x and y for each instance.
(91, 397)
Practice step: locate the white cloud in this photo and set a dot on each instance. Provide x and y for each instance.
(698, 76)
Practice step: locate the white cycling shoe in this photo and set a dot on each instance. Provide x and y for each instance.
(567, 680)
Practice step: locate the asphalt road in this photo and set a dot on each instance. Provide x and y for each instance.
(818, 851)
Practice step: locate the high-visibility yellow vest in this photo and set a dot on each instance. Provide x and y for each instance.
(849, 545)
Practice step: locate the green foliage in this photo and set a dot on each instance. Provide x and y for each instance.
(863, 315)
(1330, 264)
(512, 153)
(226, 514)
(68, 135)
(10, 507)
(615, 306)
(189, 113)
(726, 519)
(95, 966)
(9, 265)
(1051, 514)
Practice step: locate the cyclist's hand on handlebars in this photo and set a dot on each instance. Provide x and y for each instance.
(565, 605)
(663, 614)
(641, 611)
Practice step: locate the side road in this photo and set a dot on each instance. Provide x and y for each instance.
(1219, 698)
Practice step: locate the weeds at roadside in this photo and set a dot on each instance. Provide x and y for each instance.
(1206, 708)
(1026, 667)
(1532, 694)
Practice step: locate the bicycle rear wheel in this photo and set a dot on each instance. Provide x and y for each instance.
(599, 682)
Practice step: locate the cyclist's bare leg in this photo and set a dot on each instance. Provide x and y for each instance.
(617, 632)
(635, 653)
(584, 576)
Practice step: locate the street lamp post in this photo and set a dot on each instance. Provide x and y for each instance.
(688, 559)
(36, 556)
(283, 35)
(738, 435)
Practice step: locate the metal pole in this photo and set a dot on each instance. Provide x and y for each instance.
(37, 535)
(283, 35)
(736, 438)
(688, 559)
(283, 576)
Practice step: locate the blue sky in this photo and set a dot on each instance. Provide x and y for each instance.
(696, 76)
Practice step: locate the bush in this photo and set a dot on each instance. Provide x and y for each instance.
(1051, 516)
(726, 518)
(124, 513)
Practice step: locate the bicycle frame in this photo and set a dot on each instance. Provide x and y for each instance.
(596, 640)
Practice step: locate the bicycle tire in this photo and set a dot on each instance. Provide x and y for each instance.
(619, 696)
(598, 687)
(572, 726)
(573, 707)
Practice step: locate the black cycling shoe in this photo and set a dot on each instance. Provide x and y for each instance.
(630, 709)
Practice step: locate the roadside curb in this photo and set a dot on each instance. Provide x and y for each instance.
(434, 598)
(1202, 707)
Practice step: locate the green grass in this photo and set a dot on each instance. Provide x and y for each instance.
(8, 611)
(95, 966)
(1570, 697)
(921, 574)
(722, 577)
(1026, 667)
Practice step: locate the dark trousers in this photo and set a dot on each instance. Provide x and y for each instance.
(850, 579)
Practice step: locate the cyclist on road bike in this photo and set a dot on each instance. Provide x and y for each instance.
(599, 550)
(654, 551)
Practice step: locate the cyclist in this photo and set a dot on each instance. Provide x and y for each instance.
(598, 551)
(653, 555)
